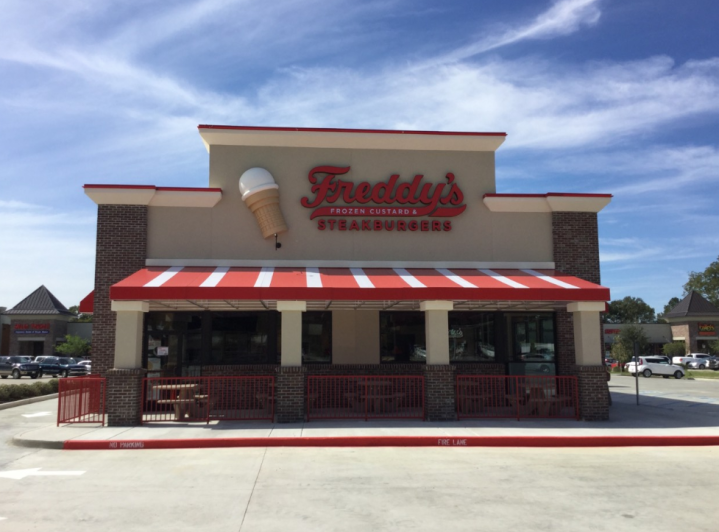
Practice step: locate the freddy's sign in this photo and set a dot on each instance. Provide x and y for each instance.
(707, 329)
(399, 203)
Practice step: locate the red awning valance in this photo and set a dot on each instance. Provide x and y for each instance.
(88, 303)
(353, 284)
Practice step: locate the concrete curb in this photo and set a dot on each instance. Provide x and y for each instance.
(38, 444)
(397, 441)
(28, 401)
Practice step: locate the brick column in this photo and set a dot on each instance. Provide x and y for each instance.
(124, 397)
(290, 394)
(439, 393)
(575, 238)
(593, 393)
(121, 251)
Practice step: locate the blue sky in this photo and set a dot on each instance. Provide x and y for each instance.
(595, 95)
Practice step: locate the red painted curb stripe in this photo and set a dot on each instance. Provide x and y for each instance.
(400, 441)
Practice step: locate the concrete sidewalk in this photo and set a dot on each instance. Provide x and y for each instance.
(658, 421)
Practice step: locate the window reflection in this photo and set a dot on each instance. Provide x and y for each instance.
(471, 337)
(402, 337)
(532, 344)
(316, 337)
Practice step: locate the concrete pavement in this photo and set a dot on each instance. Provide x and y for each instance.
(670, 413)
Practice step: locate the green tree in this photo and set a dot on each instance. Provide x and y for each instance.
(629, 310)
(674, 349)
(79, 316)
(714, 347)
(620, 353)
(673, 302)
(74, 346)
(623, 346)
(706, 283)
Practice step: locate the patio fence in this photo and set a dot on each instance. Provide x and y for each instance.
(365, 397)
(208, 398)
(520, 397)
(81, 400)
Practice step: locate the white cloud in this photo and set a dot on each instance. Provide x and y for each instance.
(44, 246)
(562, 18)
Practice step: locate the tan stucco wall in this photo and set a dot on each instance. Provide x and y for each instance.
(355, 337)
(229, 230)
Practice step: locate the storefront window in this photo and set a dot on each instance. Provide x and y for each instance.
(180, 343)
(402, 337)
(316, 337)
(173, 343)
(532, 344)
(244, 338)
(471, 337)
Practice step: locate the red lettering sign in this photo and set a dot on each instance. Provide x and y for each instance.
(706, 329)
(32, 326)
(407, 199)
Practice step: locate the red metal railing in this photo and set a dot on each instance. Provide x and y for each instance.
(365, 397)
(489, 396)
(208, 398)
(81, 400)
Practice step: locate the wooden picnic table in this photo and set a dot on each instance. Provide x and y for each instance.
(184, 401)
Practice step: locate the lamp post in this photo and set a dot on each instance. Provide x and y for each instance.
(636, 369)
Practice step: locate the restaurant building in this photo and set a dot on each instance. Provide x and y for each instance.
(36, 325)
(346, 252)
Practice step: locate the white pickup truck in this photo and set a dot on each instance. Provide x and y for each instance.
(697, 360)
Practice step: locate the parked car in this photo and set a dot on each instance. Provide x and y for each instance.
(702, 361)
(19, 366)
(87, 363)
(656, 365)
(78, 369)
(52, 365)
(686, 358)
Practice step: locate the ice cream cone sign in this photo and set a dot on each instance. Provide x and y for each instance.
(261, 194)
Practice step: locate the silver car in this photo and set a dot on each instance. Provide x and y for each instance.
(702, 361)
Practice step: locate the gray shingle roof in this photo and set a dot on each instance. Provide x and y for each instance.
(41, 301)
(693, 305)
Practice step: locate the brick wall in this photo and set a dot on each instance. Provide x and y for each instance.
(575, 238)
(593, 393)
(564, 349)
(121, 250)
(439, 393)
(124, 397)
(290, 394)
(240, 370)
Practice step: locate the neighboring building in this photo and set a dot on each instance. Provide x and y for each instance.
(397, 257)
(37, 324)
(658, 334)
(4, 332)
(694, 321)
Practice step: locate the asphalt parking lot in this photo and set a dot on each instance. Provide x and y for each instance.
(378, 489)
(25, 380)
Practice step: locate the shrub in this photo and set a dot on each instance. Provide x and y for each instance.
(17, 392)
(674, 349)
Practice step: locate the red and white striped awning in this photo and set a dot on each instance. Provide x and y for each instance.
(353, 284)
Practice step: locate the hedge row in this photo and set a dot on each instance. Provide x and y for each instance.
(16, 392)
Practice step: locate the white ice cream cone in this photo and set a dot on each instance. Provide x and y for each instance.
(261, 194)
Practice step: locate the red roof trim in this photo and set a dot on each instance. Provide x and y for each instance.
(131, 187)
(548, 194)
(493, 195)
(153, 187)
(189, 189)
(578, 195)
(342, 130)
